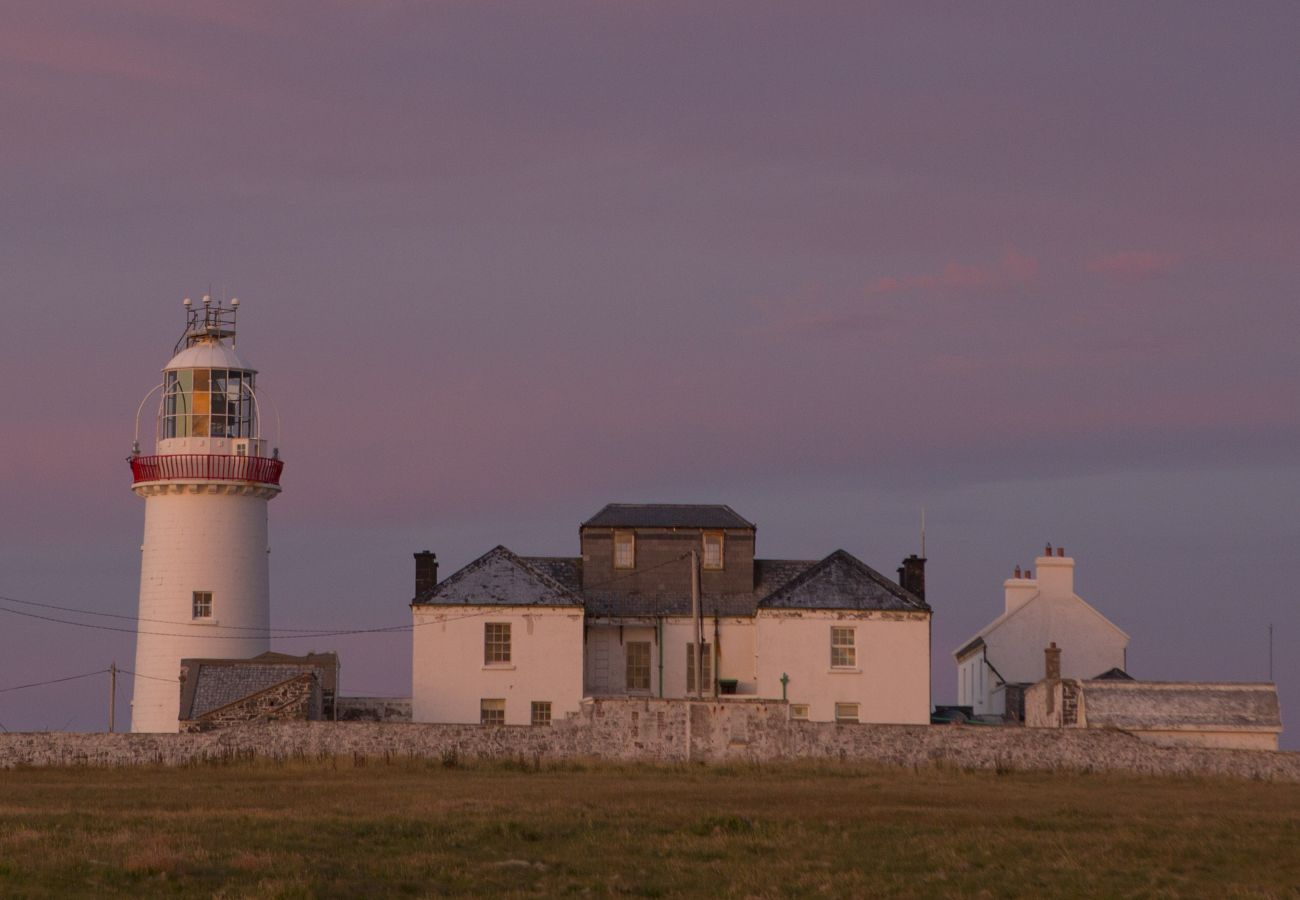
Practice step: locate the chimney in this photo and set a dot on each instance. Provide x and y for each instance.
(426, 572)
(1055, 573)
(1053, 654)
(912, 575)
(1020, 587)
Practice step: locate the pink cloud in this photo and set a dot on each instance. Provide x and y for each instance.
(823, 323)
(1135, 265)
(86, 55)
(1012, 269)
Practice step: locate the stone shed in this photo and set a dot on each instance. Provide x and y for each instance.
(1244, 716)
(270, 687)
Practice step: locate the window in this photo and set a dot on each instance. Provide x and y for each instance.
(624, 550)
(799, 711)
(638, 665)
(706, 666)
(843, 654)
(203, 604)
(208, 403)
(492, 712)
(496, 643)
(541, 712)
(846, 712)
(712, 550)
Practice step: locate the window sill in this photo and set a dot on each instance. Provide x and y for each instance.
(844, 670)
(205, 621)
(498, 667)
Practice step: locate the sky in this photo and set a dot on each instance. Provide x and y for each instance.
(1034, 268)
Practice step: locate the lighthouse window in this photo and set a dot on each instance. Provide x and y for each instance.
(208, 403)
(203, 604)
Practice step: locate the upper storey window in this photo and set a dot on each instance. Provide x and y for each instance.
(712, 550)
(624, 550)
(208, 403)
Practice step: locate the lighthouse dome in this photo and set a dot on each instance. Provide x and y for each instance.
(208, 355)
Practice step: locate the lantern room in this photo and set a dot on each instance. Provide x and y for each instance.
(208, 406)
(208, 392)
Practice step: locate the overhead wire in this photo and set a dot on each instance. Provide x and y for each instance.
(150, 677)
(108, 615)
(274, 632)
(20, 687)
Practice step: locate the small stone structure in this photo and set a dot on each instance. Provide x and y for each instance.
(216, 693)
(661, 731)
(1170, 713)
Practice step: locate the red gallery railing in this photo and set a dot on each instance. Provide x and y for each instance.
(206, 467)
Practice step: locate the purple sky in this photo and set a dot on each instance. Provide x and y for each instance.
(1036, 269)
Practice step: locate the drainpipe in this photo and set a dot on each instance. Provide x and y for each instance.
(659, 634)
(717, 652)
(984, 655)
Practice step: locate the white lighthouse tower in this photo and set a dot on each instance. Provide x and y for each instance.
(204, 572)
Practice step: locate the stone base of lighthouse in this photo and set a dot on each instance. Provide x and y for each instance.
(204, 537)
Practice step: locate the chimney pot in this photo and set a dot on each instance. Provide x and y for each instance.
(1017, 571)
(1060, 551)
(1029, 573)
(1048, 551)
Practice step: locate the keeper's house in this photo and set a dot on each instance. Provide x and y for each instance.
(668, 601)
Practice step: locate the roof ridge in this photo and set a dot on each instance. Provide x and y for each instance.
(544, 577)
(502, 552)
(843, 556)
(728, 517)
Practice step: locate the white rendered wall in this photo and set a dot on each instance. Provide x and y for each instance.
(449, 677)
(734, 641)
(605, 656)
(890, 683)
(1089, 645)
(197, 537)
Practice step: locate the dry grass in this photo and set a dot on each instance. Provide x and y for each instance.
(414, 828)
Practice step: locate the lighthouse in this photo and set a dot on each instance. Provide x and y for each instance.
(204, 566)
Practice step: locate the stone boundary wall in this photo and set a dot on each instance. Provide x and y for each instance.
(663, 731)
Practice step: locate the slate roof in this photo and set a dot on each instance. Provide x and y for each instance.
(567, 570)
(838, 582)
(667, 515)
(1176, 706)
(842, 581)
(500, 578)
(214, 683)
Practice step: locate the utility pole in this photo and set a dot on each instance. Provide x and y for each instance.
(697, 620)
(112, 696)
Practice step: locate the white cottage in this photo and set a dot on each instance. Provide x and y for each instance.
(661, 594)
(996, 665)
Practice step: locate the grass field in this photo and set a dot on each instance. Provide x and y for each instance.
(335, 829)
